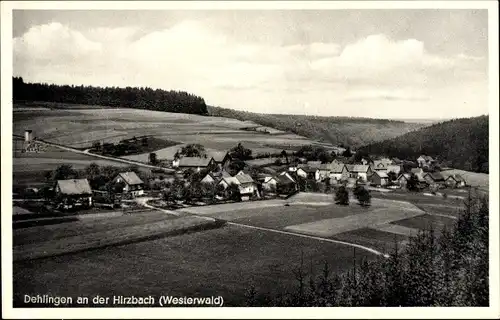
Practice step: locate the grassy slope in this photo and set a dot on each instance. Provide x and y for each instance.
(354, 132)
(460, 143)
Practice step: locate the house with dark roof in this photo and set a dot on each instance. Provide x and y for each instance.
(434, 178)
(195, 163)
(379, 178)
(455, 181)
(133, 185)
(73, 193)
(221, 158)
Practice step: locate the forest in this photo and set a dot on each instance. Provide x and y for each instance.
(137, 98)
(459, 143)
(442, 268)
(349, 131)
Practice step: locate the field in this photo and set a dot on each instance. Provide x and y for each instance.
(79, 128)
(254, 245)
(480, 180)
(29, 168)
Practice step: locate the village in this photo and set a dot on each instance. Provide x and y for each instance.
(195, 177)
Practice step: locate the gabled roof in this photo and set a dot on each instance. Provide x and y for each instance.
(218, 156)
(381, 174)
(130, 178)
(308, 169)
(268, 179)
(436, 176)
(404, 175)
(230, 180)
(456, 177)
(284, 177)
(417, 170)
(380, 164)
(74, 186)
(194, 161)
(358, 167)
(244, 178)
(337, 167)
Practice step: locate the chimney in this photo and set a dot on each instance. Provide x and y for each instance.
(28, 136)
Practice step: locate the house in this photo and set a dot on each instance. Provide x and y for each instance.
(247, 185)
(324, 171)
(394, 168)
(455, 181)
(286, 183)
(339, 150)
(214, 177)
(73, 193)
(308, 173)
(379, 178)
(434, 178)
(425, 161)
(419, 172)
(366, 161)
(195, 163)
(227, 181)
(133, 184)
(270, 183)
(338, 171)
(403, 179)
(221, 158)
(379, 165)
(359, 171)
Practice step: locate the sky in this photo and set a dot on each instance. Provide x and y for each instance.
(397, 64)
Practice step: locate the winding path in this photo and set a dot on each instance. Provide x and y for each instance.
(143, 201)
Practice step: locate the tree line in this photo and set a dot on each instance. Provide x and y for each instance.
(129, 97)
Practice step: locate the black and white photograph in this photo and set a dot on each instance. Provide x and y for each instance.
(187, 157)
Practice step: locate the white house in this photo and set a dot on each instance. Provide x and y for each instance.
(425, 161)
(359, 171)
(270, 183)
(133, 184)
(308, 173)
(338, 171)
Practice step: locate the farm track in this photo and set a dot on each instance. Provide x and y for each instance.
(86, 152)
(282, 232)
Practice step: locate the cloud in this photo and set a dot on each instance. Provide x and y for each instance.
(54, 43)
(192, 56)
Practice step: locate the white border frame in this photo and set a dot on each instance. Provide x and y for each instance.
(224, 313)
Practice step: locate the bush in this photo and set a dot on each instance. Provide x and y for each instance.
(363, 196)
(342, 196)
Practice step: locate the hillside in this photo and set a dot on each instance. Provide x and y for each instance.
(136, 98)
(459, 143)
(349, 131)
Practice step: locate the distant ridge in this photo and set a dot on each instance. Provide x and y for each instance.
(459, 143)
(348, 131)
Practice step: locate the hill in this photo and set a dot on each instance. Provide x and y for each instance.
(136, 98)
(349, 131)
(459, 143)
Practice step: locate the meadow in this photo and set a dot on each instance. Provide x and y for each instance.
(79, 128)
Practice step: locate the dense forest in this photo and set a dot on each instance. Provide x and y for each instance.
(459, 143)
(441, 268)
(137, 98)
(348, 131)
